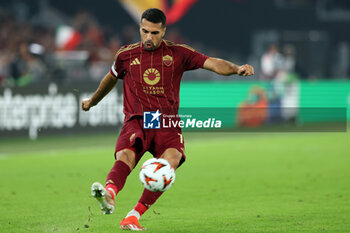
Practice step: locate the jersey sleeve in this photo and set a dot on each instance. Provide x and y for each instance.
(117, 69)
(193, 59)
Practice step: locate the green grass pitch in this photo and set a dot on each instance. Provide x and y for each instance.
(286, 182)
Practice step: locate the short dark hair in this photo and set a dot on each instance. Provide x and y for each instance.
(154, 15)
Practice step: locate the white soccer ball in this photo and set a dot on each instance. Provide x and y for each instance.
(157, 175)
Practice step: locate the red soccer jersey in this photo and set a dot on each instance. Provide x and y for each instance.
(151, 79)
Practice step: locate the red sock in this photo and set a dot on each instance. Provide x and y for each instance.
(141, 208)
(117, 176)
(147, 199)
(114, 188)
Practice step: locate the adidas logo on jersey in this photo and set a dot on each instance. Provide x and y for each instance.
(135, 62)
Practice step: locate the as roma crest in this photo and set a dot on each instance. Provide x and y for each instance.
(167, 60)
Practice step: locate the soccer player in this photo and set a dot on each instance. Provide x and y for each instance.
(151, 71)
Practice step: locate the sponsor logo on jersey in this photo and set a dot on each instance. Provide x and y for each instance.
(151, 76)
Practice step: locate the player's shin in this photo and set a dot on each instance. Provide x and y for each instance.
(117, 176)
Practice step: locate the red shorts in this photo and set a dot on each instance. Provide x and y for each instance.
(133, 136)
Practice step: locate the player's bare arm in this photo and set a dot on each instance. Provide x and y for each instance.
(227, 68)
(106, 85)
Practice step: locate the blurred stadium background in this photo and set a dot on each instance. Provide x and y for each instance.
(54, 53)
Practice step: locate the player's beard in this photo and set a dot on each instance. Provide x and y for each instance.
(149, 45)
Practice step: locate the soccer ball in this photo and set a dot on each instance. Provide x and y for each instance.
(157, 175)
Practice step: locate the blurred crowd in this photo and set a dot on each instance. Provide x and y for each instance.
(274, 64)
(77, 47)
(30, 49)
(68, 48)
(61, 49)
(17, 62)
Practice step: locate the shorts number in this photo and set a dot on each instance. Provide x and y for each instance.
(181, 138)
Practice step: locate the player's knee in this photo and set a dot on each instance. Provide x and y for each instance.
(173, 156)
(127, 156)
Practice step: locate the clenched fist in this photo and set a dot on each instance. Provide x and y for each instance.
(245, 70)
(86, 104)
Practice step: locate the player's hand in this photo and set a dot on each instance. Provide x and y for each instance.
(86, 104)
(245, 70)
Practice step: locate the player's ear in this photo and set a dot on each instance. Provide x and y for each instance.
(163, 32)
